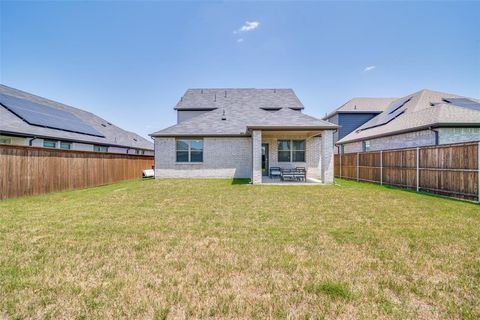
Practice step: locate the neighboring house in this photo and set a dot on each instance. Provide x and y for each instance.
(419, 119)
(354, 113)
(241, 133)
(29, 120)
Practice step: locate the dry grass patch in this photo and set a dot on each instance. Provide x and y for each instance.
(216, 249)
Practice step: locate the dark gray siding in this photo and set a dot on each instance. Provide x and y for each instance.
(350, 121)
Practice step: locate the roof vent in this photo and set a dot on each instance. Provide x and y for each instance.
(201, 91)
(225, 93)
(104, 125)
(215, 98)
(224, 117)
(355, 107)
(274, 90)
(135, 139)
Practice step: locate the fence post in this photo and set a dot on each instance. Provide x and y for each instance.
(478, 173)
(381, 167)
(418, 169)
(358, 168)
(340, 165)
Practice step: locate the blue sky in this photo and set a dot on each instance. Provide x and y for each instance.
(130, 62)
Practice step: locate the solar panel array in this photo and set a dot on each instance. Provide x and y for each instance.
(395, 110)
(464, 103)
(44, 116)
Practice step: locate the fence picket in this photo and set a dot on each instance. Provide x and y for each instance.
(452, 170)
(32, 170)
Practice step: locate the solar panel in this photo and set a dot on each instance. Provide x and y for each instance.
(395, 110)
(464, 103)
(44, 116)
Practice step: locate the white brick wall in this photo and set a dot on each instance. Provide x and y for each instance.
(405, 140)
(222, 158)
(327, 157)
(257, 156)
(232, 157)
(418, 139)
(457, 135)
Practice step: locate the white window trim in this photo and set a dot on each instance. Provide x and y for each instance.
(189, 151)
(291, 150)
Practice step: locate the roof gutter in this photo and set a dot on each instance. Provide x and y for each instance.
(425, 127)
(18, 134)
(328, 116)
(293, 128)
(195, 109)
(179, 135)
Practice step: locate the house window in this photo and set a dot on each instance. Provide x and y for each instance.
(189, 150)
(5, 141)
(100, 149)
(140, 152)
(49, 143)
(65, 145)
(291, 150)
(366, 145)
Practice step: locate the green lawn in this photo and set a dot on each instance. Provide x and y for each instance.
(222, 249)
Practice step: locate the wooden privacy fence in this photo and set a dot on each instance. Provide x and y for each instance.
(32, 170)
(452, 170)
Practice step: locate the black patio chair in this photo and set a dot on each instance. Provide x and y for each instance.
(275, 172)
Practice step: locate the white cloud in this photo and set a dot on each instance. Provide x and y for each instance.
(248, 26)
(369, 68)
(240, 40)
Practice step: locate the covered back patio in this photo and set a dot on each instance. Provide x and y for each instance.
(292, 155)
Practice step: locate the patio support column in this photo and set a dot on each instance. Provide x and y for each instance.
(327, 156)
(257, 156)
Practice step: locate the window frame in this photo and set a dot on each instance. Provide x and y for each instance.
(45, 141)
(5, 140)
(366, 145)
(65, 143)
(100, 147)
(291, 150)
(190, 150)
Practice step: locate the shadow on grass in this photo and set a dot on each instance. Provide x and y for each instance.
(240, 181)
(423, 193)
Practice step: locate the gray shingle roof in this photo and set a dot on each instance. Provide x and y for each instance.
(209, 99)
(244, 114)
(364, 105)
(114, 136)
(425, 109)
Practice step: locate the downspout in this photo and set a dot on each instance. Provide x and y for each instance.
(436, 135)
(31, 140)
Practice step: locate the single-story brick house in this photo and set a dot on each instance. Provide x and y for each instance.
(241, 133)
(29, 120)
(422, 118)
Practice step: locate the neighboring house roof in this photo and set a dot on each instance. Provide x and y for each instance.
(418, 111)
(362, 105)
(246, 112)
(10, 123)
(209, 99)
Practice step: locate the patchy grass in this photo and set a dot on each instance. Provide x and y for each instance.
(162, 249)
(332, 289)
